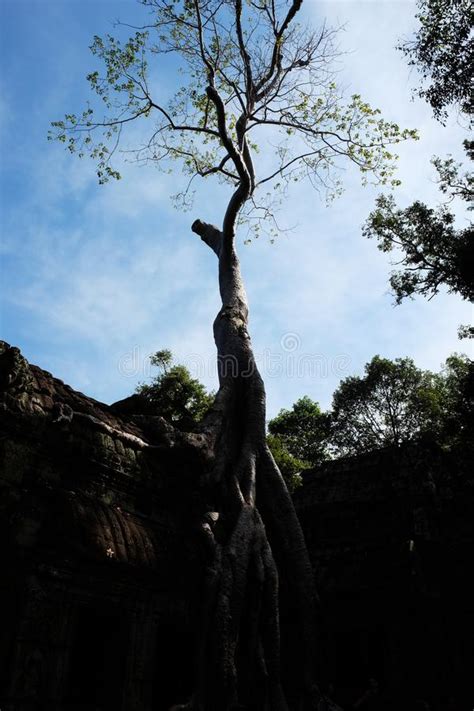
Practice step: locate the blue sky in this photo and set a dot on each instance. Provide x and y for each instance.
(95, 278)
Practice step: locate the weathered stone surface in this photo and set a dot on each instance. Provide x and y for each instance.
(391, 538)
(103, 545)
(102, 513)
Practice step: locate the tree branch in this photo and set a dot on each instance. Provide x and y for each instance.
(209, 234)
(243, 52)
(275, 63)
(231, 149)
(287, 165)
(174, 127)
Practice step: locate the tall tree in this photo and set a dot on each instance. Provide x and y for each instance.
(395, 402)
(247, 67)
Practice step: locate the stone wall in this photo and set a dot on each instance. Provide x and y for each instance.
(391, 538)
(101, 547)
(103, 551)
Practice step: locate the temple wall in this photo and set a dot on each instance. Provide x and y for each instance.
(103, 556)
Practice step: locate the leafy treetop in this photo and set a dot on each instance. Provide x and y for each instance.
(457, 384)
(244, 67)
(303, 430)
(298, 439)
(174, 394)
(395, 402)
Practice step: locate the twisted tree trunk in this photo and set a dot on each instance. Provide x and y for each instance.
(254, 535)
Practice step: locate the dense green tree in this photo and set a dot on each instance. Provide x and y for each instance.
(390, 404)
(442, 50)
(174, 394)
(298, 439)
(395, 402)
(303, 431)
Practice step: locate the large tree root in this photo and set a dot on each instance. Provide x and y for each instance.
(239, 649)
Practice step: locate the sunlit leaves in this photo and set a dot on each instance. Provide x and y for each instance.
(173, 393)
(303, 430)
(279, 94)
(391, 404)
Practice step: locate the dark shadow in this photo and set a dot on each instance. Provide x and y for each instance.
(97, 663)
(173, 679)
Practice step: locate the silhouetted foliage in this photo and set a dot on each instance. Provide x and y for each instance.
(443, 52)
(303, 430)
(457, 384)
(395, 402)
(433, 252)
(298, 439)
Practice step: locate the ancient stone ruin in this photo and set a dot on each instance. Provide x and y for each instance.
(104, 535)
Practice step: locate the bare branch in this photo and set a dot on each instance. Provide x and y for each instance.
(282, 168)
(243, 52)
(275, 64)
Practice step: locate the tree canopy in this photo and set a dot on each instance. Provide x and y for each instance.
(390, 404)
(456, 383)
(246, 69)
(298, 439)
(174, 394)
(431, 250)
(302, 430)
(442, 50)
(395, 402)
